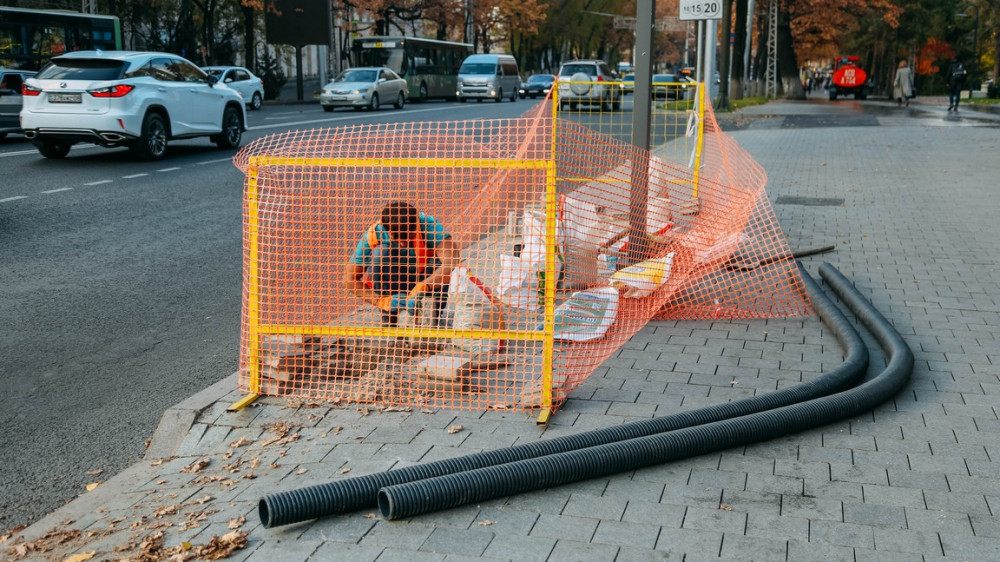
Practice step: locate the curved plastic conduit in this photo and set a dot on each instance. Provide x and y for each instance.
(352, 494)
(422, 496)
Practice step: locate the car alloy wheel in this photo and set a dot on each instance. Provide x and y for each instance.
(400, 101)
(256, 101)
(373, 104)
(152, 143)
(232, 131)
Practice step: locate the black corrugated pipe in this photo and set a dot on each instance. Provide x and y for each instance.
(422, 496)
(360, 492)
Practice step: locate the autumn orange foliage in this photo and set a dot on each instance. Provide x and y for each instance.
(931, 53)
(819, 26)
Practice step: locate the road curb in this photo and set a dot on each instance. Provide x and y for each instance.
(176, 422)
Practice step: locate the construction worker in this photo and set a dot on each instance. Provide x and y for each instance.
(404, 256)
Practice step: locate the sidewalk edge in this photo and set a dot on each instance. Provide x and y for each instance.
(176, 422)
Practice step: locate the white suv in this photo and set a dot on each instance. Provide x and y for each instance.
(589, 81)
(124, 98)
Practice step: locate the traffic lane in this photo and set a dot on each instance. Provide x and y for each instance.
(121, 281)
(118, 303)
(88, 165)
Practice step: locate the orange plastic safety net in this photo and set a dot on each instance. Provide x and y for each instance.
(490, 263)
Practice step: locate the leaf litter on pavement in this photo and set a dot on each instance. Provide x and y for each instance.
(145, 529)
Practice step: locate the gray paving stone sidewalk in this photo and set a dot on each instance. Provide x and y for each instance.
(917, 478)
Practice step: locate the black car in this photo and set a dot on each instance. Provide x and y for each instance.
(537, 86)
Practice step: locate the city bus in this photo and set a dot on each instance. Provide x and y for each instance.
(29, 38)
(429, 66)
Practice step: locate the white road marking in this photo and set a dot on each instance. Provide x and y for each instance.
(174, 169)
(215, 161)
(27, 152)
(58, 190)
(13, 198)
(18, 153)
(98, 182)
(133, 176)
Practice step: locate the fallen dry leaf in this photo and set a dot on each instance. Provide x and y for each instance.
(81, 557)
(166, 510)
(157, 462)
(241, 442)
(369, 516)
(92, 486)
(345, 470)
(222, 547)
(455, 429)
(237, 523)
(301, 471)
(197, 465)
(204, 499)
(725, 507)
(94, 472)
(486, 523)
(363, 411)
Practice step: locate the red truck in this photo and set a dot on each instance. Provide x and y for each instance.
(848, 78)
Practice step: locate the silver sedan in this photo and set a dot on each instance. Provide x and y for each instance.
(364, 87)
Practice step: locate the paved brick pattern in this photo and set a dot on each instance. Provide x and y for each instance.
(918, 478)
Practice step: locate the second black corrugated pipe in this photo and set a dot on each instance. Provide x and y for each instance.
(442, 492)
(352, 494)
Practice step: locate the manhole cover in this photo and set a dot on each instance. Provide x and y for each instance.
(810, 201)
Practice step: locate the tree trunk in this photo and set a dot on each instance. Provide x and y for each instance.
(788, 65)
(739, 48)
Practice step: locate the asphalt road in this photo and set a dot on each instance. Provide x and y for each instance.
(120, 295)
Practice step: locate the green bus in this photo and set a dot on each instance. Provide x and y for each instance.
(429, 66)
(29, 38)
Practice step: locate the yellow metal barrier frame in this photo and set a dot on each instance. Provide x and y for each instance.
(255, 330)
(700, 142)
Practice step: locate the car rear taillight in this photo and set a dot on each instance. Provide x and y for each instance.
(600, 79)
(27, 90)
(115, 91)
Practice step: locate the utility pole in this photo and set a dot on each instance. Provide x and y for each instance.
(771, 75)
(645, 14)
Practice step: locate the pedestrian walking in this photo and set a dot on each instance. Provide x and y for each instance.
(902, 84)
(956, 81)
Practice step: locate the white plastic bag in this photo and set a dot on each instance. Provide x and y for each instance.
(518, 282)
(473, 311)
(580, 222)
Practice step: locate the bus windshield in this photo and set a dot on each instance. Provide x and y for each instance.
(392, 58)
